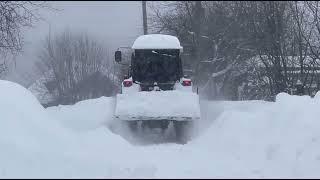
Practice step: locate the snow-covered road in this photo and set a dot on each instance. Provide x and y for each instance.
(248, 139)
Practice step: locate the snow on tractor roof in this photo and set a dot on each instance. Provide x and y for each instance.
(156, 41)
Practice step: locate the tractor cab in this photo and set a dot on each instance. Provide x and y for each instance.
(155, 62)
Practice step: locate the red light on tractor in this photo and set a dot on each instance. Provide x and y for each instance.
(127, 83)
(186, 82)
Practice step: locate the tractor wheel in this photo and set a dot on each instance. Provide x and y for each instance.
(182, 129)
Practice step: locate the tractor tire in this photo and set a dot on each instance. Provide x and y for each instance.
(182, 129)
(132, 126)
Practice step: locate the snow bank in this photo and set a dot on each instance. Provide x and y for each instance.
(249, 139)
(158, 105)
(30, 140)
(85, 115)
(23, 120)
(35, 145)
(156, 41)
(270, 140)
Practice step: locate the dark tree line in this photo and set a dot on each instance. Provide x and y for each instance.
(245, 49)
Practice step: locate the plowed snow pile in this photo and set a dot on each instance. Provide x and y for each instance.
(248, 139)
(274, 140)
(35, 145)
(85, 115)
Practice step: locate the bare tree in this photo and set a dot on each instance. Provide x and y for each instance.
(3, 68)
(262, 47)
(14, 16)
(79, 66)
(214, 38)
(312, 40)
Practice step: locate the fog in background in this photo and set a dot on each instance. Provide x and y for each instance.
(111, 23)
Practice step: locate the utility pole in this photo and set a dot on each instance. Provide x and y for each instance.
(144, 14)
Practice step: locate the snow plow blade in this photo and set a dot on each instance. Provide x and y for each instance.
(158, 105)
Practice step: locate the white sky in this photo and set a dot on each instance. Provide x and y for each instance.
(114, 23)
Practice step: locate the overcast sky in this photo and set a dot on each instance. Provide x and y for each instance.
(115, 23)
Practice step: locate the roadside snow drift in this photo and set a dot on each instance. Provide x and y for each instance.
(29, 138)
(248, 139)
(35, 145)
(177, 105)
(84, 115)
(24, 122)
(271, 140)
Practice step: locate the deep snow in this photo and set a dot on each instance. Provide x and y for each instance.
(248, 139)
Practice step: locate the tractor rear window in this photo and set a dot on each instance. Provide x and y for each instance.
(156, 65)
